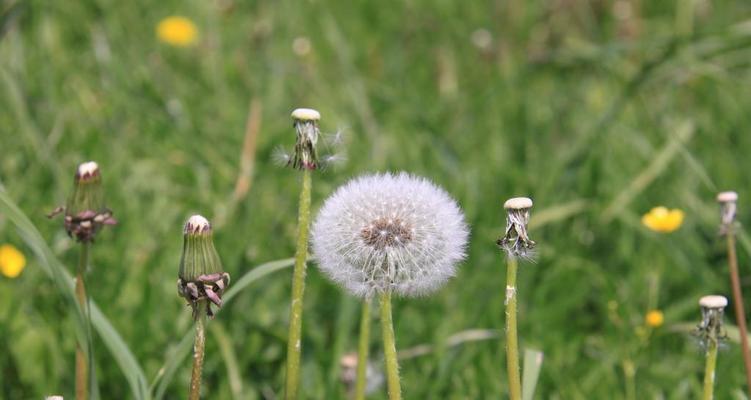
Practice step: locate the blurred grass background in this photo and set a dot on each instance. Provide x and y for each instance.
(599, 110)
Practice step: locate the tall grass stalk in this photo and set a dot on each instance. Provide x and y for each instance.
(82, 356)
(298, 289)
(512, 343)
(362, 352)
(389, 348)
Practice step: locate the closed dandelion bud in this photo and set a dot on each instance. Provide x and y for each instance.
(306, 126)
(389, 233)
(515, 241)
(712, 311)
(201, 279)
(728, 206)
(85, 211)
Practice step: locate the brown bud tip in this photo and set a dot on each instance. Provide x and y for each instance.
(306, 114)
(713, 301)
(727, 197)
(197, 224)
(518, 203)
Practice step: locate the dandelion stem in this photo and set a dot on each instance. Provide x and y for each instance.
(362, 351)
(709, 371)
(389, 348)
(298, 288)
(82, 362)
(512, 345)
(198, 351)
(740, 314)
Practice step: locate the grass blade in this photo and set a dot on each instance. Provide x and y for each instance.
(64, 282)
(167, 372)
(532, 366)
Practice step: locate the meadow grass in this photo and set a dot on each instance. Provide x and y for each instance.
(597, 117)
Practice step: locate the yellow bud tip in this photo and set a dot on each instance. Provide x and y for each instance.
(12, 261)
(654, 318)
(88, 168)
(713, 301)
(197, 224)
(727, 197)
(306, 114)
(518, 203)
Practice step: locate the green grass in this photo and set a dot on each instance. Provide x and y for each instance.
(595, 118)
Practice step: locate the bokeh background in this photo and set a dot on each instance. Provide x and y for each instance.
(598, 110)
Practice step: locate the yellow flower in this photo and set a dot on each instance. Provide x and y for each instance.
(654, 318)
(177, 31)
(12, 261)
(660, 219)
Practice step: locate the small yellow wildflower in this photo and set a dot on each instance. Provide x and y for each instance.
(177, 31)
(654, 318)
(660, 219)
(12, 261)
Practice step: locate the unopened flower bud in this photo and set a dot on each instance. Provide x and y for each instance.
(85, 211)
(727, 202)
(201, 278)
(712, 310)
(515, 241)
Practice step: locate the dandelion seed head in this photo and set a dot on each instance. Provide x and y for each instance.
(197, 224)
(389, 233)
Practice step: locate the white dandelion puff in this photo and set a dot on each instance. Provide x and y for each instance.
(389, 233)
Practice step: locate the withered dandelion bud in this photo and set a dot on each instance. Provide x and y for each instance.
(201, 277)
(728, 209)
(515, 240)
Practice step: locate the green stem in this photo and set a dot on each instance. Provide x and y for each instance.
(389, 348)
(82, 361)
(198, 351)
(512, 345)
(709, 371)
(362, 351)
(740, 313)
(298, 288)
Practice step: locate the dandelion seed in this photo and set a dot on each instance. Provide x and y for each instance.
(12, 261)
(177, 31)
(389, 233)
(660, 219)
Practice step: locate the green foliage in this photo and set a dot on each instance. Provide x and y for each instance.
(596, 114)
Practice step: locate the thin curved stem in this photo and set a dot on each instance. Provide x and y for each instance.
(740, 314)
(298, 289)
(82, 361)
(512, 344)
(362, 351)
(199, 346)
(389, 348)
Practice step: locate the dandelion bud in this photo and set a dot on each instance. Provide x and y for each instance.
(515, 241)
(201, 277)
(712, 310)
(727, 202)
(306, 125)
(389, 233)
(85, 212)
